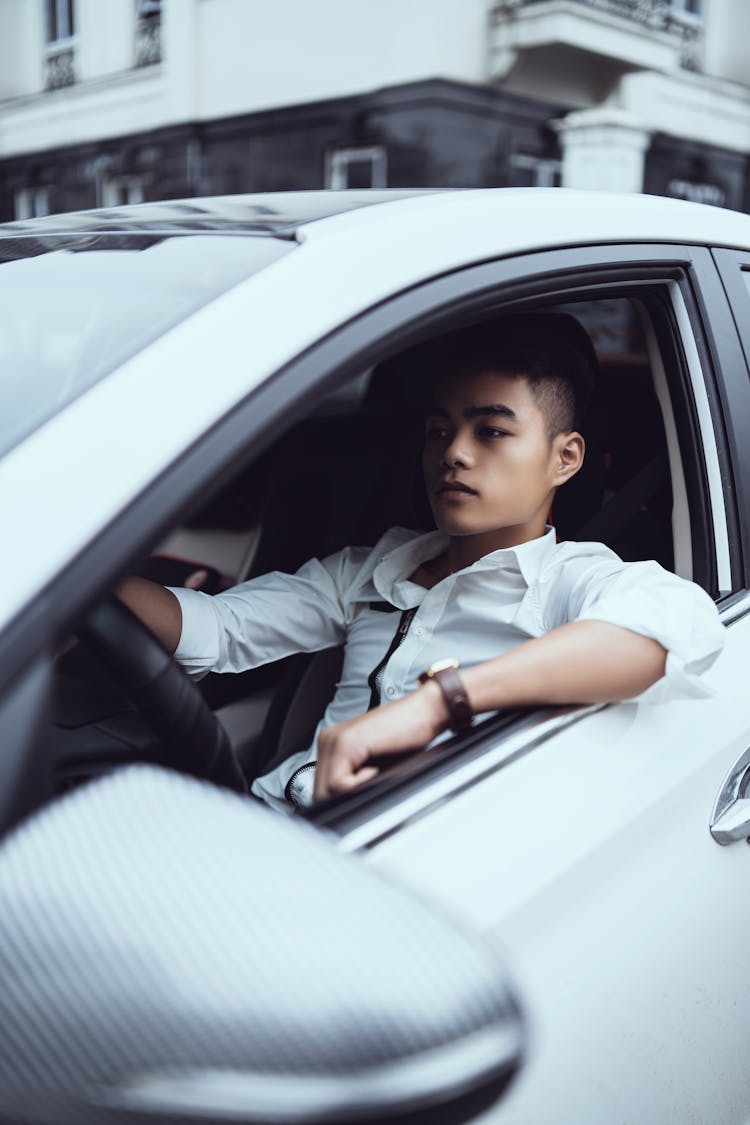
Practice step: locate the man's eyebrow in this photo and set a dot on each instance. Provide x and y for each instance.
(491, 409)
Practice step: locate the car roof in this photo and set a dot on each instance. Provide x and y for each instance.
(498, 221)
(511, 219)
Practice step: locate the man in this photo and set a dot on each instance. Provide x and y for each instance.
(494, 613)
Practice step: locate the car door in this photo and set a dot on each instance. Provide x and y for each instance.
(583, 843)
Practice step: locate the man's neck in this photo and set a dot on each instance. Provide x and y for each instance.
(464, 550)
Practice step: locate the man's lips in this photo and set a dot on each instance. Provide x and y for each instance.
(450, 486)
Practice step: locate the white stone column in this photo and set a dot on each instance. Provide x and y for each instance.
(604, 149)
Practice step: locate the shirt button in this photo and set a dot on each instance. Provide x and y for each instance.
(390, 690)
(419, 631)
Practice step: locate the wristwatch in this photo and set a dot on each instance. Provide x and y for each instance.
(446, 676)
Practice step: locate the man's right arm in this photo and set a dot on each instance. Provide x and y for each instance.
(156, 606)
(262, 619)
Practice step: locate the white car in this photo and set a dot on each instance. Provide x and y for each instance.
(206, 389)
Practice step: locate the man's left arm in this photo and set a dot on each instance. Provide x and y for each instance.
(616, 630)
(579, 662)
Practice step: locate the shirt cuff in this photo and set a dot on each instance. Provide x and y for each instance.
(678, 682)
(198, 647)
(685, 663)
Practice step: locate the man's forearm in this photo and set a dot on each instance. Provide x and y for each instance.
(582, 662)
(156, 606)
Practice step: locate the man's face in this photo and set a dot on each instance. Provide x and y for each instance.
(489, 465)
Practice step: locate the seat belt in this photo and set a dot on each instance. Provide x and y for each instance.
(621, 508)
(373, 680)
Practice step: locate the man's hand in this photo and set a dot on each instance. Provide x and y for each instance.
(345, 750)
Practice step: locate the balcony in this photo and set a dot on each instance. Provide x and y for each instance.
(59, 65)
(148, 38)
(624, 34)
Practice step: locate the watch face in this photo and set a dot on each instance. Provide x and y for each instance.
(441, 665)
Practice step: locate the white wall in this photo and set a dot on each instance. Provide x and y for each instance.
(726, 51)
(224, 57)
(255, 54)
(691, 106)
(111, 98)
(105, 37)
(21, 41)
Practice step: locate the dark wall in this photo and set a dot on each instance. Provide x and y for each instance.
(688, 170)
(70, 174)
(436, 133)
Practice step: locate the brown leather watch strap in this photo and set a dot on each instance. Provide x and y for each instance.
(456, 699)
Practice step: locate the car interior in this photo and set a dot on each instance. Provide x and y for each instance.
(345, 473)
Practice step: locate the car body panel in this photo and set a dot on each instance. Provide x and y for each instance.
(591, 862)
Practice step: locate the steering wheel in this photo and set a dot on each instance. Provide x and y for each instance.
(191, 737)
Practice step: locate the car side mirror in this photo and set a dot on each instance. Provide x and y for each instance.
(171, 952)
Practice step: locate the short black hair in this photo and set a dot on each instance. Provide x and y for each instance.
(552, 351)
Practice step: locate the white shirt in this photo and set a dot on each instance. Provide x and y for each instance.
(473, 615)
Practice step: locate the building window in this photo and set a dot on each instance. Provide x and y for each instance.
(534, 171)
(696, 191)
(59, 50)
(365, 167)
(686, 7)
(31, 203)
(684, 18)
(120, 190)
(60, 25)
(147, 32)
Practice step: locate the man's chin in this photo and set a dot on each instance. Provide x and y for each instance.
(458, 527)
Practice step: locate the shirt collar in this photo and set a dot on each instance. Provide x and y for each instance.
(528, 559)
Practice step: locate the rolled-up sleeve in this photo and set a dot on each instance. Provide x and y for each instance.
(651, 601)
(198, 647)
(268, 617)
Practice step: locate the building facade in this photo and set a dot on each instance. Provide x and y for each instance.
(112, 101)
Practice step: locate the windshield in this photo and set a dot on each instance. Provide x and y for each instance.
(74, 307)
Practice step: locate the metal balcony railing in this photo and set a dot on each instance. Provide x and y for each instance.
(148, 39)
(659, 14)
(653, 15)
(59, 67)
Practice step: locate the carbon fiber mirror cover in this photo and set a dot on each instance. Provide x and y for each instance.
(167, 948)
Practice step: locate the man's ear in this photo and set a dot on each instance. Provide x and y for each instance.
(568, 453)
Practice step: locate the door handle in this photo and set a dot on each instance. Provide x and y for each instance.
(730, 819)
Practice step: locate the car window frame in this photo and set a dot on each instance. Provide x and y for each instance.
(725, 305)
(433, 305)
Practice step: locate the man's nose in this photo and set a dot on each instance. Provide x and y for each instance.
(457, 453)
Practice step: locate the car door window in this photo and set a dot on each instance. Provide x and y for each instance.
(350, 468)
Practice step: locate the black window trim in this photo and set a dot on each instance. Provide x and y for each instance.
(725, 308)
